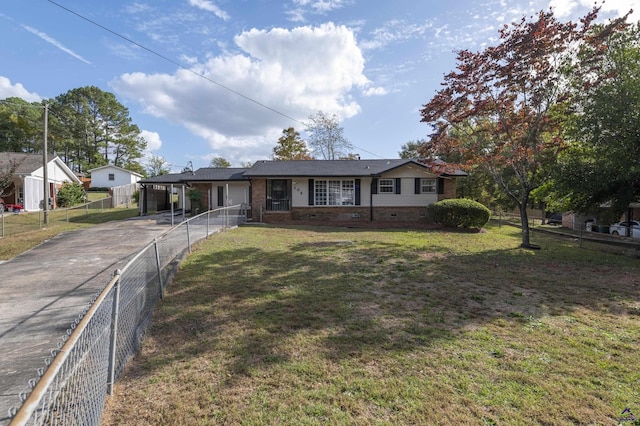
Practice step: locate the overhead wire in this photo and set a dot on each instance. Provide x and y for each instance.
(178, 64)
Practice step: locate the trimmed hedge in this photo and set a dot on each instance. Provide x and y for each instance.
(459, 212)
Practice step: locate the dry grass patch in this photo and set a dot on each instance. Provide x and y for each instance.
(330, 325)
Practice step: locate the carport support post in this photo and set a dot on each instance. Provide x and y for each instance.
(159, 268)
(188, 237)
(171, 203)
(114, 333)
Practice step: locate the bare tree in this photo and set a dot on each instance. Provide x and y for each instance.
(326, 137)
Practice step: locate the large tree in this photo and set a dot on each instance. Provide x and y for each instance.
(220, 162)
(21, 125)
(157, 166)
(601, 166)
(411, 149)
(291, 147)
(504, 108)
(90, 128)
(326, 137)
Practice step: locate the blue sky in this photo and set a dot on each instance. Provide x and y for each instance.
(228, 76)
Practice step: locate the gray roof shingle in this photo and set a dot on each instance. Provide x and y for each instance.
(26, 163)
(218, 173)
(325, 168)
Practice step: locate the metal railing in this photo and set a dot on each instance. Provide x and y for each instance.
(94, 352)
(278, 205)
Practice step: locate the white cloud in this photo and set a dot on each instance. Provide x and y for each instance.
(294, 72)
(153, 140)
(375, 91)
(8, 90)
(394, 31)
(317, 7)
(55, 43)
(565, 8)
(210, 7)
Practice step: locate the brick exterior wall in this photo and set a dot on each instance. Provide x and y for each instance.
(258, 199)
(449, 189)
(342, 214)
(345, 215)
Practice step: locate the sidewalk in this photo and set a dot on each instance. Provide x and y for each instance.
(44, 290)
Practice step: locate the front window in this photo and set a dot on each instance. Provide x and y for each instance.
(386, 186)
(334, 192)
(112, 176)
(428, 186)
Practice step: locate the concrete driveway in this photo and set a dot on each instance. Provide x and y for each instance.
(44, 290)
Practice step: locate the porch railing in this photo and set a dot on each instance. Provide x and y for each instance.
(278, 205)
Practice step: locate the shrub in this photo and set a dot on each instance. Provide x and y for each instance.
(459, 213)
(70, 194)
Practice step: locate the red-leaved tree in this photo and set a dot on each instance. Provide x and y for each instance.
(504, 108)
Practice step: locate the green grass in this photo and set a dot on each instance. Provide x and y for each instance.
(24, 231)
(266, 325)
(95, 195)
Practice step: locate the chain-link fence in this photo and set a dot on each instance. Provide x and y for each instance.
(14, 223)
(82, 370)
(585, 235)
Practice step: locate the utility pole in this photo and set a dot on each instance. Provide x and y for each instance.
(45, 166)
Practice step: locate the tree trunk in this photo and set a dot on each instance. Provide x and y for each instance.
(524, 222)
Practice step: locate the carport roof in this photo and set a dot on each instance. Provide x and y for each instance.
(217, 173)
(172, 178)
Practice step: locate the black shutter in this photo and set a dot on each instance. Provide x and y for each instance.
(417, 186)
(374, 185)
(220, 196)
(357, 189)
(398, 185)
(440, 185)
(311, 192)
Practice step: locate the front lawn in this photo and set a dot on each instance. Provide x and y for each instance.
(266, 325)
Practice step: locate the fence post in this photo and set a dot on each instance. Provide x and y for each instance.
(208, 220)
(159, 268)
(114, 334)
(2, 223)
(188, 237)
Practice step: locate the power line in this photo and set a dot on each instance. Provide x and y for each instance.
(178, 64)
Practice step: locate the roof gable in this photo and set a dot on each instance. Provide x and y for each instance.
(110, 166)
(27, 164)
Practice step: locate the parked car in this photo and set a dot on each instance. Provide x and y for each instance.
(620, 228)
(554, 218)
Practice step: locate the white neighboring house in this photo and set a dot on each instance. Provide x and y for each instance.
(110, 176)
(28, 181)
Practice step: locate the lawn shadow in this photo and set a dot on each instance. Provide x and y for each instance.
(359, 298)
